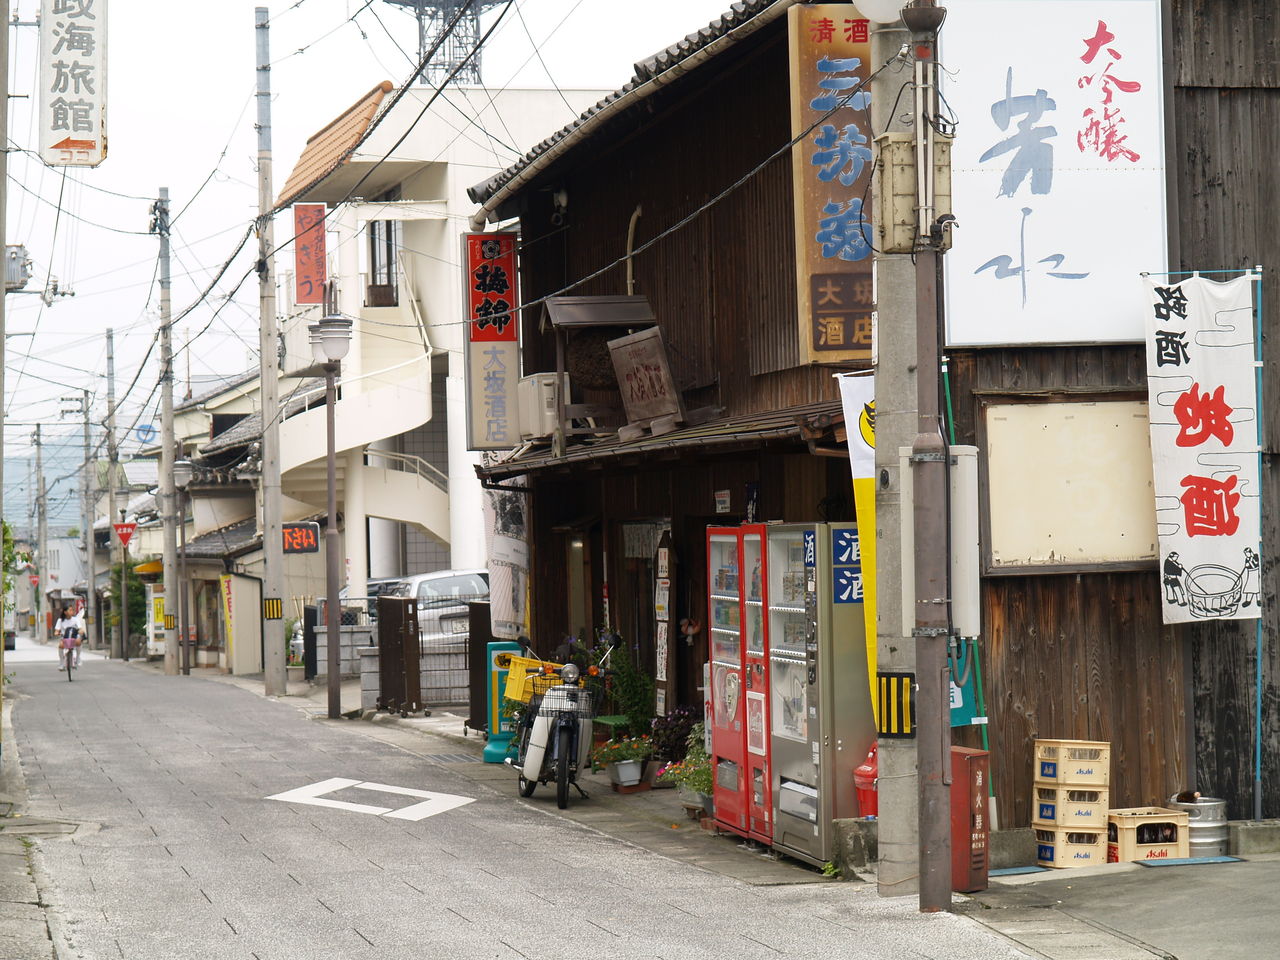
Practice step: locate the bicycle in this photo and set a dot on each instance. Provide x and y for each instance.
(69, 647)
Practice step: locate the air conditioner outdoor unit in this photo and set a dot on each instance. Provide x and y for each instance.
(537, 398)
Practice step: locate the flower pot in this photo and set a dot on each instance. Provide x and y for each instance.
(626, 773)
(651, 768)
(693, 800)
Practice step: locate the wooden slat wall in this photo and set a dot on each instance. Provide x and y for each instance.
(723, 287)
(1226, 43)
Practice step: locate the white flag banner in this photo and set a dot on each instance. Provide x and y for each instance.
(1204, 446)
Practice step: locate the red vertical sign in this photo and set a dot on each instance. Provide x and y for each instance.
(491, 287)
(309, 264)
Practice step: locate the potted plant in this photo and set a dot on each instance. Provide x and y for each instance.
(624, 758)
(692, 774)
(670, 741)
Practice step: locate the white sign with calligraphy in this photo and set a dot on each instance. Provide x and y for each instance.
(1204, 447)
(73, 82)
(1058, 168)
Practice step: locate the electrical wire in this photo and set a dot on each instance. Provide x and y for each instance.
(68, 213)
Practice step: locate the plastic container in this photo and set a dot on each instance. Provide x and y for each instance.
(1074, 761)
(1206, 825)
(519, 680)
(1146, 833)
(1070, 846)
(865, 776)
(1071, 805)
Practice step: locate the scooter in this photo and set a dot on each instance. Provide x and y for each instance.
(554, 731)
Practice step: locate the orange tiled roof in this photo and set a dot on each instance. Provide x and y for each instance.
(330, 147)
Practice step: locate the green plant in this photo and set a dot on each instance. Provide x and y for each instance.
(694, 771)
(671, 733)
(137, 596)
(829, 869)
(632, 691)
(622, 749)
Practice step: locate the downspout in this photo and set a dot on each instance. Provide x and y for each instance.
(626, 102)
(631, 243)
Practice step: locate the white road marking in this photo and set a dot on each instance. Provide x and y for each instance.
(432, 803)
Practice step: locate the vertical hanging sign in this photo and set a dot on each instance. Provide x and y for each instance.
(309, 263)
(831, 169)
(493, 340)
(858, 400)
(73, 82)
(1204, 444)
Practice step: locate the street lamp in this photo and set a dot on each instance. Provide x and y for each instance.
(330, 341)
(183, 472)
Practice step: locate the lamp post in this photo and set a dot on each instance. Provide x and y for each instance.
(183, 471)
(330, 341)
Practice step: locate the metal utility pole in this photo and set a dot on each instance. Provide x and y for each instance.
(273, 640)
(42, 539)
(167, 498)
(929, 476)
(116, 640)
(4, 194)
(90, 564)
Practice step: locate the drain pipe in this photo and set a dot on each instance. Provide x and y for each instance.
(625, 102)
(631, 244)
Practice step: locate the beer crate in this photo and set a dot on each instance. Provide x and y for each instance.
(1070, 805)
(1069, 846)
(1147, 833)
(1077, 762)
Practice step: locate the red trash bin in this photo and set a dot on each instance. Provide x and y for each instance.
(864, 783)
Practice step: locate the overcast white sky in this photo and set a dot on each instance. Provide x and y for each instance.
(180, 111)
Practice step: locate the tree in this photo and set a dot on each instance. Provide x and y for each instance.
(137, 600)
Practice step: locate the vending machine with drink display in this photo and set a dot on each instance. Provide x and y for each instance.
(821, 722)
(739, 680)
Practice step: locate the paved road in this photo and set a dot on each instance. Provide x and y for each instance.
(179, 853)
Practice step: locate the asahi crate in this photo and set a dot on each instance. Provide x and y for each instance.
(1070, 846)
(1070, 805)
(1147, 833)
(1077, 762)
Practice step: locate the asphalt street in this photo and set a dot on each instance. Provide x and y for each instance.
(377, 849)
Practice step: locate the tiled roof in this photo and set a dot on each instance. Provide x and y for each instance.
(249, 428)
(332, 146)
(229, 541)
(645, 70)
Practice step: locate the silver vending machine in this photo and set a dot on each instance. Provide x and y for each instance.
(821, 719)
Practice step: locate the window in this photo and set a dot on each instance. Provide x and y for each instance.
(384, 243)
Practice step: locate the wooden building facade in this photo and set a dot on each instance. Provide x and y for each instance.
(1065, 655)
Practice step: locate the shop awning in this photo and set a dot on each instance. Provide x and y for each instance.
(718, 436)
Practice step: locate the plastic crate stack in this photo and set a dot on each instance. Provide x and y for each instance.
(1072, 793)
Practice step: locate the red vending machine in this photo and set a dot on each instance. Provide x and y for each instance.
(755, 644)
(728, 727)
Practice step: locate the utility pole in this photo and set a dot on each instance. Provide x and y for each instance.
(90, 558)
(4, 194)
(168, 500)
(42, 539)
(113, 466)
(929, 476)
(268, 377)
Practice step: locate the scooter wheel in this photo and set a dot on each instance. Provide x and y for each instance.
(526, 786)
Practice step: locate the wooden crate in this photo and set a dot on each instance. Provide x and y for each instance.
(1070, 846)
(1073, 762)
(1147, 833)
(1069, 805)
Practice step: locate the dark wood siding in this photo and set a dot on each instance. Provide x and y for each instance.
(723, 286)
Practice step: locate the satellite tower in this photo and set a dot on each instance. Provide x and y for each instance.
(434, 17)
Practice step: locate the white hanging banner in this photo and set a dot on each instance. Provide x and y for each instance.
(1058, 171)
(1204, 446)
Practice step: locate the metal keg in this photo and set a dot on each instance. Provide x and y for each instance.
(1207, 820)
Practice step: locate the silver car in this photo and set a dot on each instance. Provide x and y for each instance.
(442, 601)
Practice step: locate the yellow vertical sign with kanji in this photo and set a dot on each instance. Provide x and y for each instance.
(858, 399)
(831, 163)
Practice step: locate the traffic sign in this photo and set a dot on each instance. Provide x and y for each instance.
(145, 433)
(125, 532)
(35, 579)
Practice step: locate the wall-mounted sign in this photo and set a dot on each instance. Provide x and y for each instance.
(300, 537)
(644, 377)
(310, 267)
(493, 340)
(1063, 142)
(831, 169)
(73, 82)
(723, 501)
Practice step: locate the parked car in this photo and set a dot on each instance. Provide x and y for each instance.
(378, 587)
(442, 600)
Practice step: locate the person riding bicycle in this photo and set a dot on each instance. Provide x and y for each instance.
(70, 632)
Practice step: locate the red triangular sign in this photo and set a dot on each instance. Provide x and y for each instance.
(125, 532)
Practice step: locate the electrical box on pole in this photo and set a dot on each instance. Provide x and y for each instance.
(893, 190)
